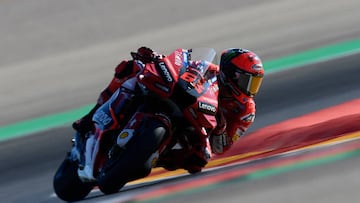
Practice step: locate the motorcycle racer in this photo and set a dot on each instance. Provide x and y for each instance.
(240, 78)
(241, 74)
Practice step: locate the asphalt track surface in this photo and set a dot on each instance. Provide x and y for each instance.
(45, 43)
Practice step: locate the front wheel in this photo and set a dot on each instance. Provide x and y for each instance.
(67, 184)
(131, 163)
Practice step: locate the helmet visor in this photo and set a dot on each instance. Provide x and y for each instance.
(247, 82)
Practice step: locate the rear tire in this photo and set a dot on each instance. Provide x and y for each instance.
(67, 184)
(130, 163)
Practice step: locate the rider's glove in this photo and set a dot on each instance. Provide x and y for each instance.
(145, 55)
(220, 142)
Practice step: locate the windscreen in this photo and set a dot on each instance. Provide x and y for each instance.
(203, 53)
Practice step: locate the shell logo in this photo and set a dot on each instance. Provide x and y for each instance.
(124, 135)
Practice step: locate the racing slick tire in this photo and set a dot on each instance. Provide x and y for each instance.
(131, 162)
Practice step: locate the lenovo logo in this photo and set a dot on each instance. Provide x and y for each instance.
(165, 72)
(207, 108)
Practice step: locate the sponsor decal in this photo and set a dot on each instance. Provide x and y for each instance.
(154, 162)
(214, 89)
(238, 134)
(124, 135)
(102, 117)
(212, 80)
(178, 59)
(248, 118)
(185, 56)
(165, 72)
(203, 66)
(257, 67)
(207, 108)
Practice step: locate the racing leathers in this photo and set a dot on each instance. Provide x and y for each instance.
(234, 117)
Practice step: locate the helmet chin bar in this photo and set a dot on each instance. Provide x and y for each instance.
(234, 90)
(227, 88)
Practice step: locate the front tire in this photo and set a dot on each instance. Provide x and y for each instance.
(130, 163)
(67, 184)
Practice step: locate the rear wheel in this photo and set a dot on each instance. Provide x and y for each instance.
(67, 184)
(131, 163)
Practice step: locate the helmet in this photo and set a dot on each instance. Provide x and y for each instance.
(242, 71)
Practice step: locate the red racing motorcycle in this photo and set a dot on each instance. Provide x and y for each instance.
(174, 106)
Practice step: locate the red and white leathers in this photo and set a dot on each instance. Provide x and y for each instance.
(234, 117)
(240, 78)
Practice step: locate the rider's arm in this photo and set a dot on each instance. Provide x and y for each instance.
(235, 126)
